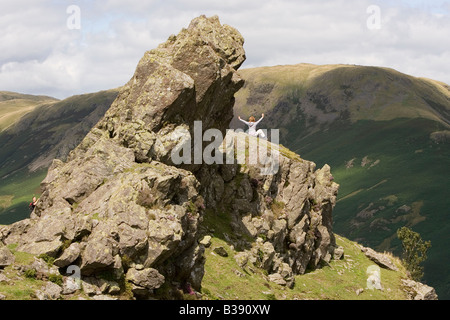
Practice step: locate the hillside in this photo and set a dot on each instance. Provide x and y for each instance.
(29, 146)
(225, 279)
(14, 105)
(342, 279)
(385, 134)
(326, 93)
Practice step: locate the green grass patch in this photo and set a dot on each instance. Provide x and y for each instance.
(411, 170)
(340, 280)
(224, 279)
(23, 187)
(21, 287)
(21, 290)
(6, 201)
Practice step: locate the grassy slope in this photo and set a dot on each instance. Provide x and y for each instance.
(15, 105)
(23, 288)
(376, 113)
(39, 131)
(368, 93)
(225, 280)
(414, 174)
(16, 192)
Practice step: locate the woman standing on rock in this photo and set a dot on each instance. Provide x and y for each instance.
(252, 127)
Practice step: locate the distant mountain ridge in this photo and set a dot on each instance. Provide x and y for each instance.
(325, 93)
(14, 105)
(9, 96)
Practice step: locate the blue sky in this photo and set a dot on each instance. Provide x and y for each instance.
(41, 55)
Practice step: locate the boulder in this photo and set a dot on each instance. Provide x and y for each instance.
(419, 291)
(381, 259)
(50, 291)
(49, 248)
(338, 253)
(206, 241)
(97, 255)
(70, 285)
(278, 279)
(148, 278)
(221, 251)
(6, 257)
(69, 256)
(93, 286)
(242, 258)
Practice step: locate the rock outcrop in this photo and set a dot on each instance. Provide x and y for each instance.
(287, 214)
(380, 259)
(117, 201)
(120, 205)
(6, 257)
(419, 291)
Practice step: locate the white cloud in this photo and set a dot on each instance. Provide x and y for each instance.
(41, 55)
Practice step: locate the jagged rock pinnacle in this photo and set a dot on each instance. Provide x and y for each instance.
(120, 205)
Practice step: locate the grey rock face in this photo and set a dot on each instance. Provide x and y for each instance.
(6, 257)
(120, 206)
(288, 213)
(117, 200)
(419, 291)
(379, 258)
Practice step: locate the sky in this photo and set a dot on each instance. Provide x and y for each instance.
(62, 48)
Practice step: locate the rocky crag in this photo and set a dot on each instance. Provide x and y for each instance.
(120, 209)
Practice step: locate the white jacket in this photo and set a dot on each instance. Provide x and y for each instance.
(252, 127)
